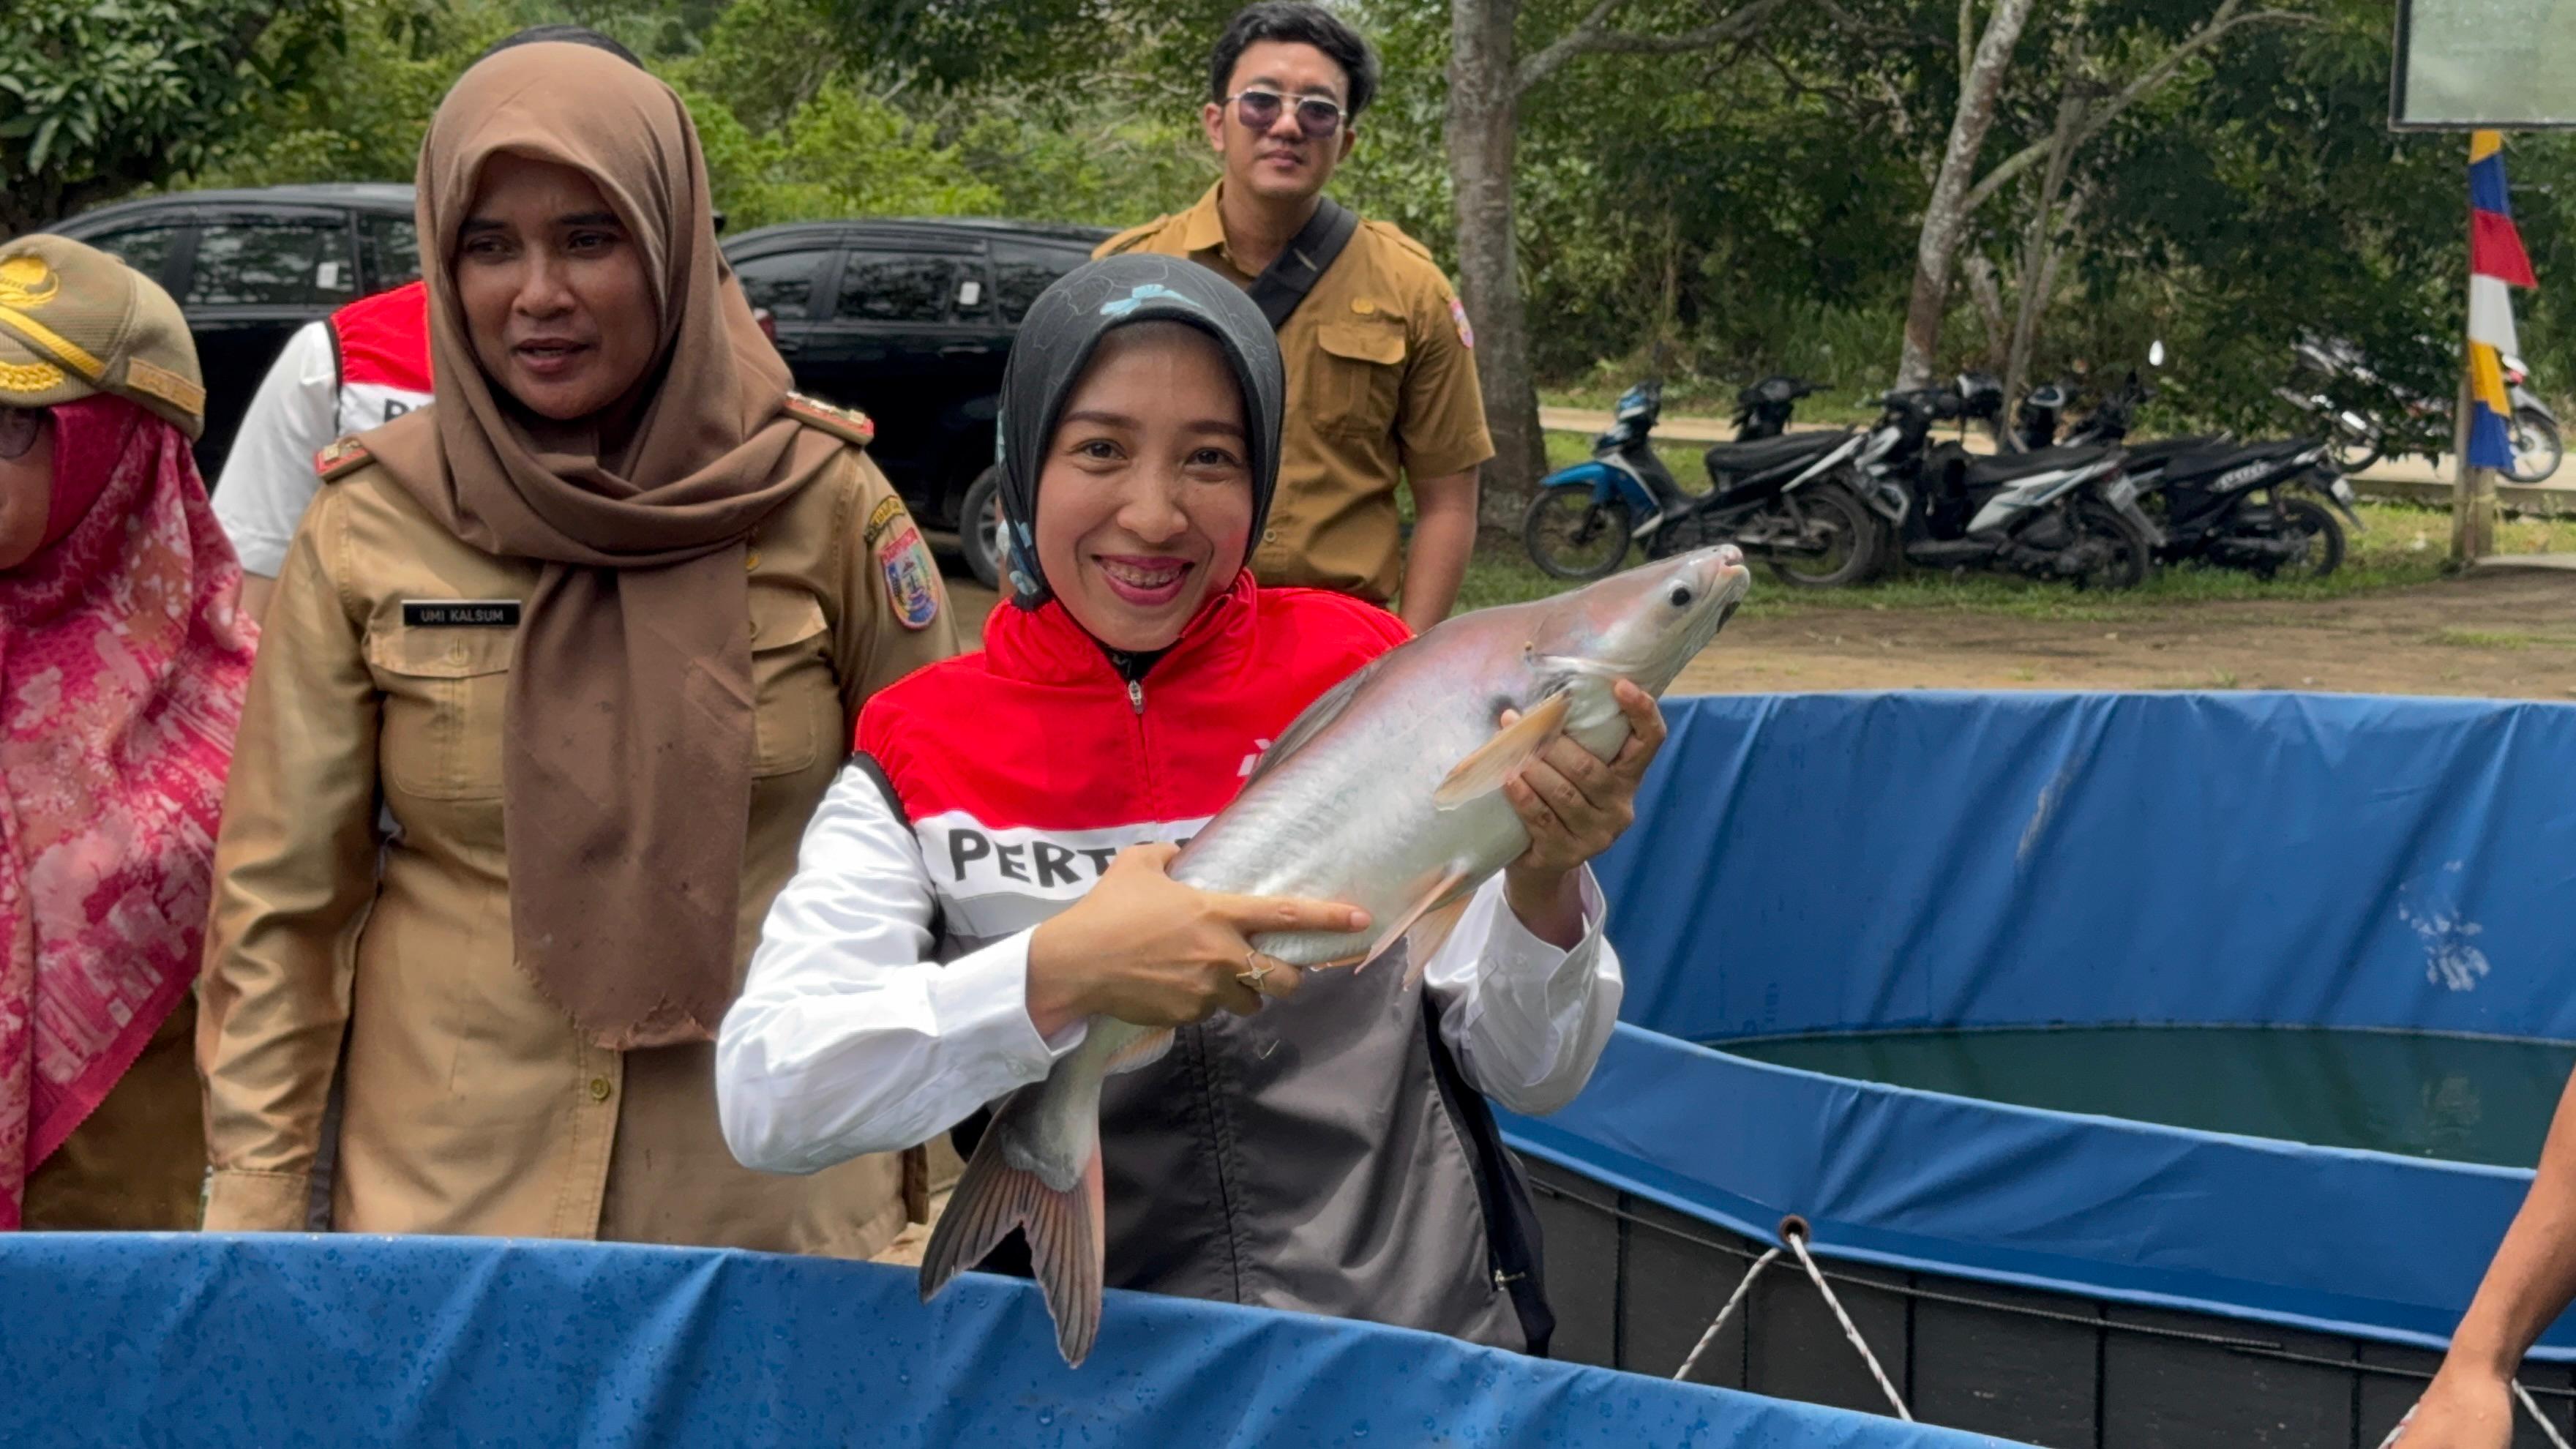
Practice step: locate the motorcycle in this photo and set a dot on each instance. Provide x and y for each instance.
(1776, 495)
(2222, 501)
(2423, 424)
(2052, 513)
(2226, 503)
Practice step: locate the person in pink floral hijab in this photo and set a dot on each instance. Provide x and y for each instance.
(122, 664)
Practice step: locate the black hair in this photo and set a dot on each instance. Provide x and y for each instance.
(565, 35)
(1301, 24)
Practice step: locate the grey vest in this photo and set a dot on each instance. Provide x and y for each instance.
(1323, 1156)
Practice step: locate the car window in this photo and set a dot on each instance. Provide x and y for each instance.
(271, 264)
(887, 287)
(144, 248)
(1022, 270)
(783, 282)
(391, 246)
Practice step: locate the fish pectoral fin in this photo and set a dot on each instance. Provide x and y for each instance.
(1440, 894)
(1429, 934)
(1483, 772)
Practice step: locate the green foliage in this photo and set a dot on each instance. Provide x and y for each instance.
(100, 96)
(1710, 216)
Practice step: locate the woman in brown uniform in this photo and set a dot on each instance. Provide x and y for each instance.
(591, 630)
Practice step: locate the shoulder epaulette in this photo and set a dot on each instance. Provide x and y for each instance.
(1396, 234)
(340, 458)
(848, 424)
(1129, 238)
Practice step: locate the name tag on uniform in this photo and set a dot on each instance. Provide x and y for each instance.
(460, 613)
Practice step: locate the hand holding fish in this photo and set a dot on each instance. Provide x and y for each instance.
(1145, 949)
(1574, 804)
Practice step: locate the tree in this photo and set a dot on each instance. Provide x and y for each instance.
(1488, 78)
(2087, 103)
(97, 100)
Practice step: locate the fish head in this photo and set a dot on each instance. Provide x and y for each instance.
(1645, 624)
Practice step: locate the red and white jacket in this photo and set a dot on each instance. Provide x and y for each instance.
(362, 367)
(1267, 1159)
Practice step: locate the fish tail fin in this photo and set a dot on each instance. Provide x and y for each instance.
(1066, 1232)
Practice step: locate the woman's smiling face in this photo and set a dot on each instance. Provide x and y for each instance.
(1145, 498)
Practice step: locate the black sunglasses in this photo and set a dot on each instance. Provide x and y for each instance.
(19, 428)
(1259, 110)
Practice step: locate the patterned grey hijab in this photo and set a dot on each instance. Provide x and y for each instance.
(1064, 327)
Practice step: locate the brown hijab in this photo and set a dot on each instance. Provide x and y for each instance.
(627, 771)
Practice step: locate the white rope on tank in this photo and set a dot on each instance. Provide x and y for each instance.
(2521, 1395)
(1793, 1232)
(1798, 1245)
(1715, 1325)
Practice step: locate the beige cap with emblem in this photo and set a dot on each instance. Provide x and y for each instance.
(75, 321)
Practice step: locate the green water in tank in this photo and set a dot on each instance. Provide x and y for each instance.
(2459, 1099)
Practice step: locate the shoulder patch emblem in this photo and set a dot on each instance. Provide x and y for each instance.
(1458, 314)
(340, 458)
(911, 580)
(845, 423)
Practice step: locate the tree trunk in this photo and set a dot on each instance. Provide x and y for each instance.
(1988, 293)
(1945, 216)
(1483, 134)
(2040, 250)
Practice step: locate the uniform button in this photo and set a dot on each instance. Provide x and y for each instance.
(599, 1089)
(750, 562)
(753, 625)
(1270, 535)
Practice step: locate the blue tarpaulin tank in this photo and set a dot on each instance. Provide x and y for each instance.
(175, 1340)
(1868, 863)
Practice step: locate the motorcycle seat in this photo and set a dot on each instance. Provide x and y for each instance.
(2007, 467)
(2220, 457)
(2166, 450)
(1768, 453)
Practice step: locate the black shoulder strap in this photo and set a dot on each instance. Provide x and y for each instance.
(1517, 1254)
(1293, 273)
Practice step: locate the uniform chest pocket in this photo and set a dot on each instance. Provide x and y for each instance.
(798, 692)
(1355, 377)
(444, 701)
(446, 698)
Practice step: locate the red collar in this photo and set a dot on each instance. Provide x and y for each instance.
(1046, 646)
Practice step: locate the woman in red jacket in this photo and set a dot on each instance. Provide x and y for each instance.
(989, 873)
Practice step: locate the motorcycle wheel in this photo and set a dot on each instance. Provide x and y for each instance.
(2132, 553)
(2354, 452)
(2536, 449)
(1851, 548)
(2324, 533)
(1570, 536)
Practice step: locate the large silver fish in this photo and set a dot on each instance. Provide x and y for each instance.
(1385, 794)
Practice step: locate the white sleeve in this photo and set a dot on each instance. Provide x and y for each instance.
(846, 1039)
(1526, 1020)
(268, 477)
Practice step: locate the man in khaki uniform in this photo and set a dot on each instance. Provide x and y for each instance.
(1381, 361)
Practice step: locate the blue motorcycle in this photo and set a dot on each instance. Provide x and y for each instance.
(1783, 497)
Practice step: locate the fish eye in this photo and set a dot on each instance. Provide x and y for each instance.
(1681, 596)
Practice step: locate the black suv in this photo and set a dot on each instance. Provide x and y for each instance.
(910, 321)
(250, 267)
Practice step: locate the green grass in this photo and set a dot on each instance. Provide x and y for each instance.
(2402, 545)
(2500, 639)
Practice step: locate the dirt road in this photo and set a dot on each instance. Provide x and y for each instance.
(2505, 632)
